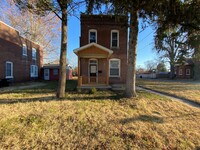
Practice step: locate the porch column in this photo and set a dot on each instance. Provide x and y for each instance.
(107, 74)
(79, 73)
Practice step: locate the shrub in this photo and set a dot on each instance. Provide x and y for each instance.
(93, 90)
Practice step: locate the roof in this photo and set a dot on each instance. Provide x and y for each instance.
(188, 61)
(93, 44)
(54, 66)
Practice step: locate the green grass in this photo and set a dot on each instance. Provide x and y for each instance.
(187, 90)
(104, 120)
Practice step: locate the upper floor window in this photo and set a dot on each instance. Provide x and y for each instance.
(34, 71)
(92, 36)
(114, 38)
(33, 53)
(24, 50)
(114, 68)
(9, 69)
(187, 71)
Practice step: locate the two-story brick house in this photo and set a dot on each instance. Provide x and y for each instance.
(20, 59)
(102, 56)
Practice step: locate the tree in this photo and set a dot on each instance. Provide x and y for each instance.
(42, 30)
(171, 46)
(150, 65)
(161, 67)
(61, 9)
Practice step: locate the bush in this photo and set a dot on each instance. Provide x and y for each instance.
(93, 90)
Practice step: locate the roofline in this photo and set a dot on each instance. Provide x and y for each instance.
(36, 43)
(93, 44)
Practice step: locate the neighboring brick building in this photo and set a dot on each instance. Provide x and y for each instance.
(20, 59)
(102, 56)
(185, 70)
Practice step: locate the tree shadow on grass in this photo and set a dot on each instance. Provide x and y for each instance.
(155, 119)
(70, 96)
(144, 118)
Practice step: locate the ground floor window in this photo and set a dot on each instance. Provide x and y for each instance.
(114, 68)
(9, 69)
(180, 72)
(187, 71)
(55, 72)
(34, 71)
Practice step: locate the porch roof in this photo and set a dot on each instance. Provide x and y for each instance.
(88, 46)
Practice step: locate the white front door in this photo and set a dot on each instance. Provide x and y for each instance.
(46, 74)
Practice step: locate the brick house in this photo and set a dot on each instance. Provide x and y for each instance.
(20, 59)
(185, 70)
(102, 56)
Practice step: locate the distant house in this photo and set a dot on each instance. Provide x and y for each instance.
(102, 56)
(185, 70)
(20, 58)
(51, 72)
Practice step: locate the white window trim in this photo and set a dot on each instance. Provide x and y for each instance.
(9, 62)
(92, 30)
(24, 54)
(34, 50)
(119, 67)
(117, 31)
(34, 72)
(180, 72)
(186, 72)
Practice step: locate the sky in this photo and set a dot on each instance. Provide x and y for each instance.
(145, 50)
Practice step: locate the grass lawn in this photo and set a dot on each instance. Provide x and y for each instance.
(188, 90)
(104, 120)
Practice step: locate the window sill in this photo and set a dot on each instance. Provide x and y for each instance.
(115, 48)
(9, 77)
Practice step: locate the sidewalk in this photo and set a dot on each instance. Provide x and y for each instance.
(172, 97)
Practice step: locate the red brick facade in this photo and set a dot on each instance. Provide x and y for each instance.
(184, 71)
(103, 25)
(11, 50)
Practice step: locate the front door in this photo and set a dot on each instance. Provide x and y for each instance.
(93, 73)
(46, 74)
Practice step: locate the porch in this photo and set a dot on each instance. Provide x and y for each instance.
(93, 66)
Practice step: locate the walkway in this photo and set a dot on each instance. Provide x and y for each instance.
(186, 101)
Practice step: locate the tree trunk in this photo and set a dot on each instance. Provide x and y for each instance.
(172, 71)
(63, 54)
(132, 53)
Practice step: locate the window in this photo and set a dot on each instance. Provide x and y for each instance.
(55, 72)
(24, 50)
(34, 71)
(33, 53)
(9, 69)
(114, 66)
(115, 38)
(180, 71)
(92, 36)
(187, 71)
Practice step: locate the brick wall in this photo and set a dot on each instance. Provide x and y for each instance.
(104, 24)
(11, 50)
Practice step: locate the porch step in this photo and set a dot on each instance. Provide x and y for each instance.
(101, 87)
(118, 87)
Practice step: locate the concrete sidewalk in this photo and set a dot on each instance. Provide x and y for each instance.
(172, 97)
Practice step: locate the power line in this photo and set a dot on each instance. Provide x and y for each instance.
(145, 46)
(145, 37)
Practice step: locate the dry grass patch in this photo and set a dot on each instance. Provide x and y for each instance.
(101, 121)
(188, 90)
